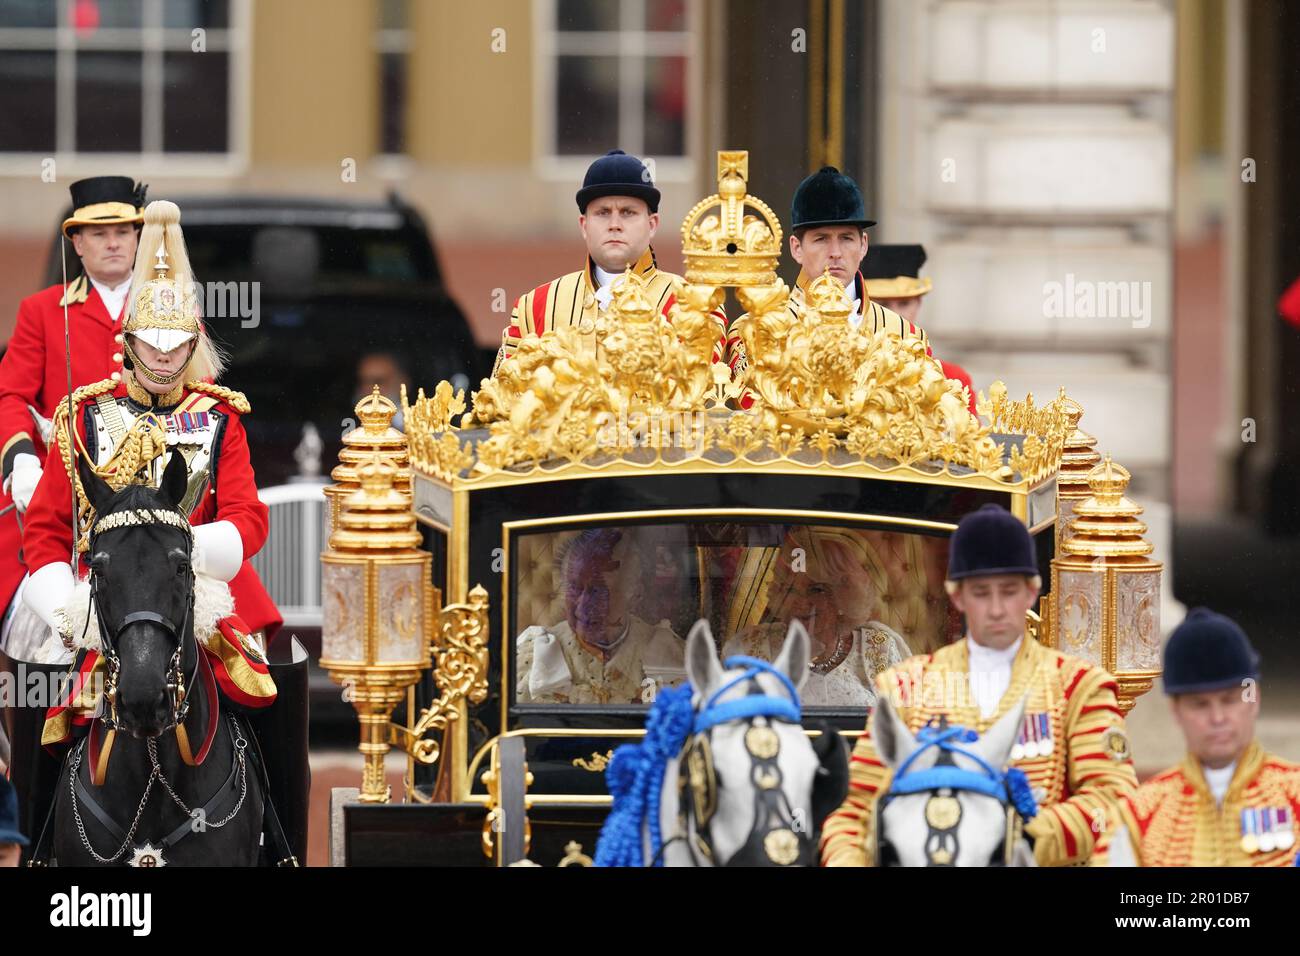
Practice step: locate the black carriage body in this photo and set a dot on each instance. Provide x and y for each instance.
(477, 532)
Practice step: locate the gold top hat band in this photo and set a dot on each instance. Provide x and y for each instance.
(899, 287)
(103, 214)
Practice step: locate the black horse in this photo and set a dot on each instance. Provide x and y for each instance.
(180, 780)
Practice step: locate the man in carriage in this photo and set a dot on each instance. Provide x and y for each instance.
(1072, 745)
(618, 207)
(126, 432)
(828, 232)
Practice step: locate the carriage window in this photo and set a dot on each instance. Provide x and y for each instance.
(601, 614)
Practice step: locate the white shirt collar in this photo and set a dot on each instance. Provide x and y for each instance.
(1218, 780)
(113, 297)
(990, 673)
(605, 286)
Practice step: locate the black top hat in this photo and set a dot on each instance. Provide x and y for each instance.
(893, 272)
(1208, 651)
(9, 832)
(618, 174)
(104, 200)
(990, 541)
(828, 198)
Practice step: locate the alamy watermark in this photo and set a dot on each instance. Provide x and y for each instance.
(1085, 299)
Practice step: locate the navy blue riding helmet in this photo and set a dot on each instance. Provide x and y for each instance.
(1208, 651)
(991, 541)
(618, 174)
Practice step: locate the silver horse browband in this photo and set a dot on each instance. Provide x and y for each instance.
(134, 517)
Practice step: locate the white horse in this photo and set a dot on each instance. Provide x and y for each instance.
(726, 775)
(951, 801)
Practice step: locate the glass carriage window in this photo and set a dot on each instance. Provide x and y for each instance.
(600, 614)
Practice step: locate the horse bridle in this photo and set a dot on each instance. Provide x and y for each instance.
(775, 839)
(943, 781)
(176, 679)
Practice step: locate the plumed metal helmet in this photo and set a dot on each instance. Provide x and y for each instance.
(991, 541)
(618, 174)
(1208, 651)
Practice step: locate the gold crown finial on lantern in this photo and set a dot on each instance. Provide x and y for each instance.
(722, 245)
(377, 516)
(375, 436)
(376, 412)
(1106, 523)
(1105, 594)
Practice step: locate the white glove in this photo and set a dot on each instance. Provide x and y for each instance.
(218, 550)
(23, 479)
(47, 592)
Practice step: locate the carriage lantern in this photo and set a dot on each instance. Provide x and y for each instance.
(1105, 598)
(379, 607)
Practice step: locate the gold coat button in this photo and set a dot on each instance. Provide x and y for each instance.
(117, 357)
(116, 376)
(118, 338)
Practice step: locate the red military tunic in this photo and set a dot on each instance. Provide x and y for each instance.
(33, 372)
(231, 496)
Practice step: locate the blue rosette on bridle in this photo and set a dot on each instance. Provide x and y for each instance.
(635, 778)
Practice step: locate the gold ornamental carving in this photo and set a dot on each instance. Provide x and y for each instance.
(825, 394)
(460, 664)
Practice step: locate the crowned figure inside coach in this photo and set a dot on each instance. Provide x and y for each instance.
(602, 652)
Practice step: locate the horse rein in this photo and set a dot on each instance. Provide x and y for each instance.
(774, 839)
(943, 782)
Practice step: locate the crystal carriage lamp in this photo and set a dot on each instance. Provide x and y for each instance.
(1105, 599)
(382, 625)
(378, 605)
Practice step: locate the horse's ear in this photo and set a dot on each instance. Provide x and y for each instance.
(98, 492)
(175, 479)
(793, 659)
(893, 741)
(995, 743)
(702, 665)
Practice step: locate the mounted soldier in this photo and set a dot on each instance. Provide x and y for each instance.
(125, 433)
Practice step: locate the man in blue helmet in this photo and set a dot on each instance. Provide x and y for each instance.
(1071, 746)
(1229, 803)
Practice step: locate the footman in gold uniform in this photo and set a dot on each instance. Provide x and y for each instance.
(1229, 803)
(1071, 745)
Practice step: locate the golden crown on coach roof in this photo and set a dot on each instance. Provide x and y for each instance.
(722, 245)
(377, 516)
(1106, 524)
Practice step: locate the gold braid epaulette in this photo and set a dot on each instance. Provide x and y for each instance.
(234, 399)
(67, 448)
